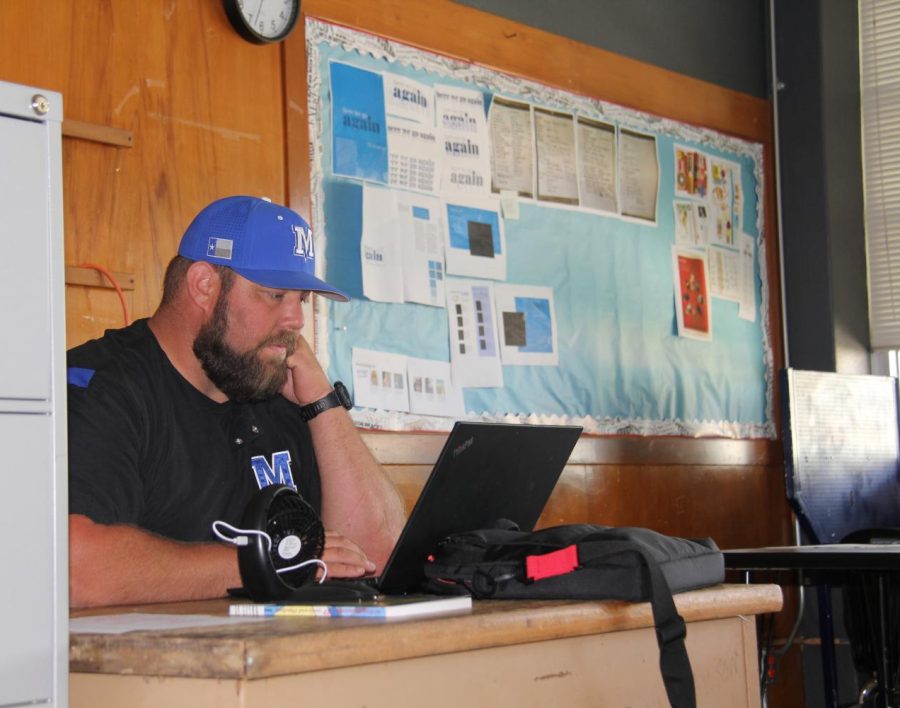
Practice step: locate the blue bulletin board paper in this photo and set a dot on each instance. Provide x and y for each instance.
(622, 366)
(359, 124)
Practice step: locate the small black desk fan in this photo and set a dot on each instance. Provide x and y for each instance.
(279, 561)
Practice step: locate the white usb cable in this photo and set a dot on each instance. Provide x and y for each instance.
(289, 547)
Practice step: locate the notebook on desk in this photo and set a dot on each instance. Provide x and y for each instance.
(485, 472)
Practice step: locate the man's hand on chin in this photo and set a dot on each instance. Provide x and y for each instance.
(306, 380)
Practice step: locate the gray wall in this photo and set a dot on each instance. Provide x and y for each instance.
(720, 41)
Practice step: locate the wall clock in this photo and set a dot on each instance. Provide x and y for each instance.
(263, 21)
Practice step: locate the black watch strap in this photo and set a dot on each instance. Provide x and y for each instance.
(339, 396)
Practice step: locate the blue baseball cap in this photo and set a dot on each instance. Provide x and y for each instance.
(264, 242)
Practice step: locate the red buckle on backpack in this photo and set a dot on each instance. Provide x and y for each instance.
(558, 562)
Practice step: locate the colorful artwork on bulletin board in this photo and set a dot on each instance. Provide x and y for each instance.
(520, 253)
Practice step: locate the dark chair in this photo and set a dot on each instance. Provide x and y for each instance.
(872, 617)
(842, 457)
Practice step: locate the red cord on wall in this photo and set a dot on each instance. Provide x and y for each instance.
(109, 276)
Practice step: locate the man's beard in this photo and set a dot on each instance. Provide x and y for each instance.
(241, 377)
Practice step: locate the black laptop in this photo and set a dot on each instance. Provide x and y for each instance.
(485, 472)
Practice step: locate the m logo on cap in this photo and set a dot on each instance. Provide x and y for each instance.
(303, 242)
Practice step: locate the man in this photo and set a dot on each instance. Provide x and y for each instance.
(177, 420)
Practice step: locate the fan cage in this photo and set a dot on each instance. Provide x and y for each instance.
(290, 515)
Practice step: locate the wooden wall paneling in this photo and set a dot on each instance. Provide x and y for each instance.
(92, 292)
(570, 502)
(748, 509)
(773, 264)
(423, 448)
(737, 506)
(662, 483)
(409, 480)
(204, 108)
(92, 310)
(296, 120)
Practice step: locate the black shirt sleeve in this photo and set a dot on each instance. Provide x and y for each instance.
(105, 438)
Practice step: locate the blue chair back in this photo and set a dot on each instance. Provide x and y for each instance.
(842, 454)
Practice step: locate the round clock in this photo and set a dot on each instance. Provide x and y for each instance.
(263, 21)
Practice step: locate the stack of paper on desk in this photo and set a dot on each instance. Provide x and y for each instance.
(384, 607)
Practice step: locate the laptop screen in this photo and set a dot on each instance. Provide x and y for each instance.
(485, 472)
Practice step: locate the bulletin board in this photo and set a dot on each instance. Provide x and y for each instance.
(618, 279)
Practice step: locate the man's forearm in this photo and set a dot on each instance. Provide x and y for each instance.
(118, 565)
(358, 499)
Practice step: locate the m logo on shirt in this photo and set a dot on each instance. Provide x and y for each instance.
(278, 472)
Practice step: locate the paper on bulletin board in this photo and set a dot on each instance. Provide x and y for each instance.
(691, 172)
(414, 152)
(474, 348)
(527, 320)
(693, 306)
(431, 389)
(414, 156)
(724, 273)
(379, 380)
(462, 127)
(722, 202)
(554, 137)
(422, 238)
(408, 99)
(380, 252)
(638, 174)
(747, 308)
(597, 165)
(402, 248)
(512, 147)
(690, 223)
(475, 245)
(359, 146)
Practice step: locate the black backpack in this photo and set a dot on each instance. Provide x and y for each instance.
(586, 561)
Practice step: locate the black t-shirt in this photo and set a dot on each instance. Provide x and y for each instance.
(147, 448)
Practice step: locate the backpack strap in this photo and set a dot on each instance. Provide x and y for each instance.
(674, 663)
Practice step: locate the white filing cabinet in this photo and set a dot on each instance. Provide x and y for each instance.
(34, 632)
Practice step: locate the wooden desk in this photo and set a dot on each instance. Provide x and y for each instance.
(503, 653)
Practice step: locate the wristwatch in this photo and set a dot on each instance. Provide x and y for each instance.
(340, 396)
